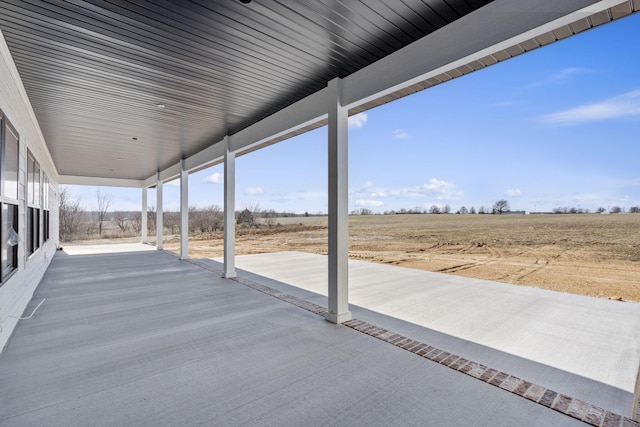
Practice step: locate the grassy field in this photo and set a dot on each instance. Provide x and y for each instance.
(596, 255)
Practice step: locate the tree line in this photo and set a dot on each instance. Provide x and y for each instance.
(77, 223)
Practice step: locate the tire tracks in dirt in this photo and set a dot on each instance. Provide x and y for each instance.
(494, 256)
(542, 262)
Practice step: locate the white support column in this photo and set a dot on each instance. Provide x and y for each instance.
(143, 213)
(184, 211)
(338, 309)
(159, 224)
(229, 211)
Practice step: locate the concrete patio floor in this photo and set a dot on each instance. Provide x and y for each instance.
(587, 348)
(142, 338)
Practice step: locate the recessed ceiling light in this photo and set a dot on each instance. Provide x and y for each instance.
(160, 105)
(245, 1)
(119, 158)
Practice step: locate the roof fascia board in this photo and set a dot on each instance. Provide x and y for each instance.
(511, 22)
(170, 173)
(298, 115)
(208, 157)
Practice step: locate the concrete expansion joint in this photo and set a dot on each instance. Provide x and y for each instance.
(589, 414)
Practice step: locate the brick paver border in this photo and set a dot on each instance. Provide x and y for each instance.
(574, 408)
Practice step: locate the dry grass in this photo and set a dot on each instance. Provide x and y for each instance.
(596, 255)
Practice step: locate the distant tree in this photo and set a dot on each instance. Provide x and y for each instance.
(482, 210)
(270, 216)
(203, 220)
(151, 218)
(634, 209)
(171, 221)
(615, 209)
(600, 210)
(136, 222)
(472, 210)
(121, 219)
(434, 209)
(103, 201)
(214, 217)
(245, 217)
(70, 214)
(446, 209)
(249, 216)
(500, 207)
(463, 210)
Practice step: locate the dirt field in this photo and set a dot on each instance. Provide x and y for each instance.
(596, 255)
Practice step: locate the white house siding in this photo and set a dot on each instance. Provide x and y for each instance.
(17, 290)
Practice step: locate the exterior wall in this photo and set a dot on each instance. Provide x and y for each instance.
(18, 289)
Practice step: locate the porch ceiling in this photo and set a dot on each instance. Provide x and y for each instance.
(96, 71)
(123, 89)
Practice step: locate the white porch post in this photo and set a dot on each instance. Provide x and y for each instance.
(184, 211)
(338, 309)
(159, 224)
(229, 211)
(143, 217)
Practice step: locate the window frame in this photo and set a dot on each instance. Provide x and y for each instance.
(34, 205)
(8, 203)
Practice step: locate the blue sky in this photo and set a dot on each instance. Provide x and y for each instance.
(558, 126)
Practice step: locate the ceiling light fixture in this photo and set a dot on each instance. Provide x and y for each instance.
(245, 1)
(134, 138)
(160, 105)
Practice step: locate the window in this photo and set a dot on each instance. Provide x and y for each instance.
(9, 240)
(45, 206)
(34, 203)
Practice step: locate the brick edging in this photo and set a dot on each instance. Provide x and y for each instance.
(574, 408)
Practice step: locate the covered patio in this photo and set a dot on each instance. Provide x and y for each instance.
(139, 93)
(176, 344)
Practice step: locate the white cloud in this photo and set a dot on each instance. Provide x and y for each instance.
(174, 183)
(562, 75)
(357, 120)
(516, 192)
(400, 134)
(369, 203)
(216, 178)
(254, 191)
(627, 104)
(435, 188)
(436, 185)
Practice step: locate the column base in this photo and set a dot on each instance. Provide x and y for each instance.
(338, 318)
(229, 275)
(184, 257)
